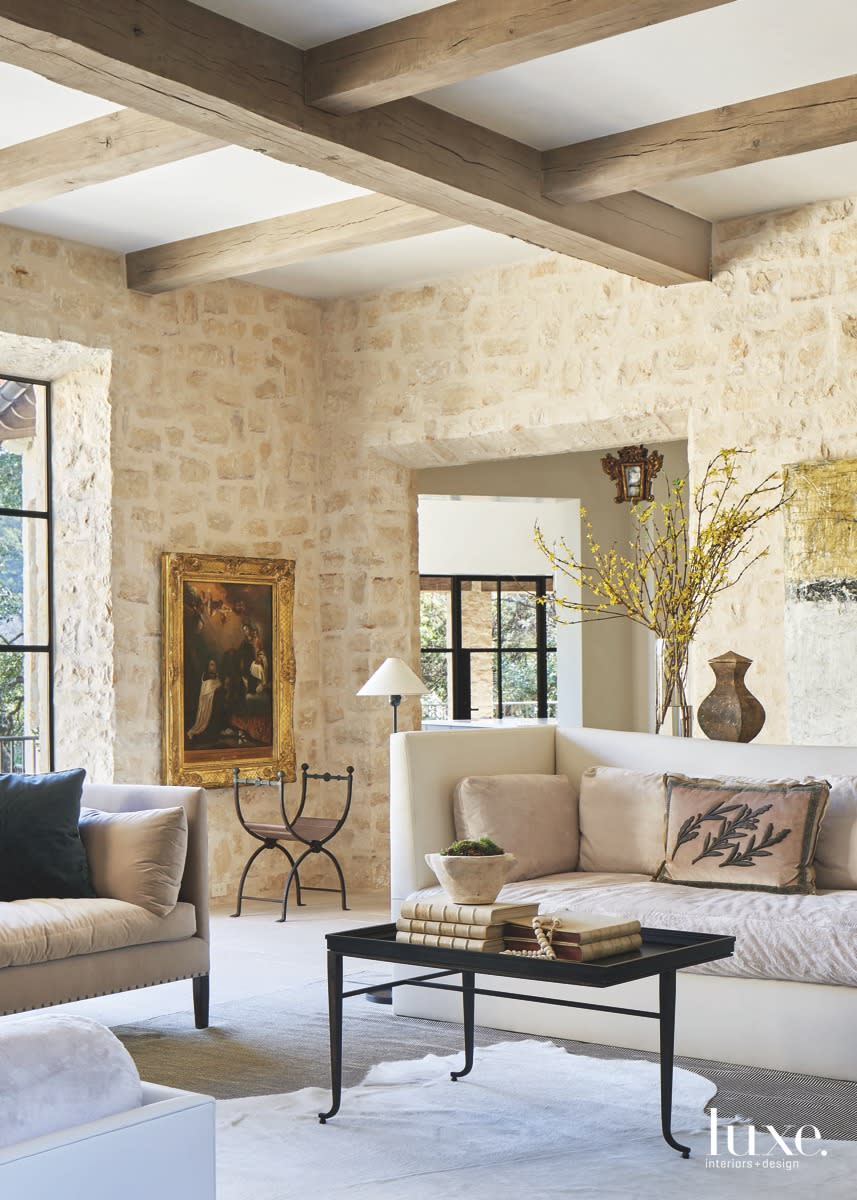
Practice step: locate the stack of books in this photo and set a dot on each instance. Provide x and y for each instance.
(459, 926)
(575, 937)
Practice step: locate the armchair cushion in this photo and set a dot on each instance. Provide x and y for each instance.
(138, 856)
(41, 854)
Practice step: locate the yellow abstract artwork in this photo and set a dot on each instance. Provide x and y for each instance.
(821, 522)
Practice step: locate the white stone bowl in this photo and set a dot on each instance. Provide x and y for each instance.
(473, 879)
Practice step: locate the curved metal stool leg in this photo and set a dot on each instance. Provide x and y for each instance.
(292, 875)
(244, 875)
(302, 903)
(342, 893)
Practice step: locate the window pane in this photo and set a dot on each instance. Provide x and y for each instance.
(550, 615)
(520, 687)
(518, 613)
(23, 445)
(436, 672)
(552, 684)
(435, 618)
(24, 712)
(23, 581)
(478, 613)
(483, 686)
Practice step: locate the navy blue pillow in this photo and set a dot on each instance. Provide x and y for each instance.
(41, 854)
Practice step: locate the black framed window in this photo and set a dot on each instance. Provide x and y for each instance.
(487, 647)
(26, 586)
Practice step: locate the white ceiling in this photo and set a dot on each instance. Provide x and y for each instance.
(195, 195)
(399, 264)
(741, 50)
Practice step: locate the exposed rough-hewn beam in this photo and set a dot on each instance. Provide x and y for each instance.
(807, 118)
(364, 221)
(93, 152)
(189, 65)
(467, 38)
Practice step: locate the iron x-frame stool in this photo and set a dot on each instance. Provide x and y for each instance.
(312, 832)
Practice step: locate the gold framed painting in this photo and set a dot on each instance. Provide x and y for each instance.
(228, 668)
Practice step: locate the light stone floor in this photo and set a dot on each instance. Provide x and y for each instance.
(253, 955)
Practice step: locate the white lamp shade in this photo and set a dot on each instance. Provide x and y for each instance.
(393, 678)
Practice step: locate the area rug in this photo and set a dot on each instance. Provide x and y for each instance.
(531, 1120)
(278, 1042)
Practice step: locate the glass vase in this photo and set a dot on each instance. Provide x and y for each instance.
(673, 714)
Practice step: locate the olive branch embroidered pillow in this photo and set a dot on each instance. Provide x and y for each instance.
(758, 835)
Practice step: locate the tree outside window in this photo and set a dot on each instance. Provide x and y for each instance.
(25, 582)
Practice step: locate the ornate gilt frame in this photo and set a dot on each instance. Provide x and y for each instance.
(178, 569)
(633, 472)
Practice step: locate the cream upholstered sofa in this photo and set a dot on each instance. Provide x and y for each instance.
(56, 951)
(788, 997)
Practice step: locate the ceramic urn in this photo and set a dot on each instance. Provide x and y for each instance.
(730, 712)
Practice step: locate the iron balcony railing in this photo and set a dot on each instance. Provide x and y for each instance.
(19, 754)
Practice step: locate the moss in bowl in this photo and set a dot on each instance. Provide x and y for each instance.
(472, 848)
(473, 870)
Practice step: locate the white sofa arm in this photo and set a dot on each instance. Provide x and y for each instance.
(164, 1149)
(424, 768)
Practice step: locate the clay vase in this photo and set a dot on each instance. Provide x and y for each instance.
(730, 713)
(475, 879)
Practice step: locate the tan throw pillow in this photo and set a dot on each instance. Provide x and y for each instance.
(138, 857)
(836, 853)
(757, 835)
(623, 820)
(533, 816)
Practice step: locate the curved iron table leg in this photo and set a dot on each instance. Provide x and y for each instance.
(666, 989)
(334, 1010)
(342, 893)
(244, 875)
(468, 979)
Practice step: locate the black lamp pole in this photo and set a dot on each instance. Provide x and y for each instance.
(395, 701)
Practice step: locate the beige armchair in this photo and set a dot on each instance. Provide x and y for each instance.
(155, 950)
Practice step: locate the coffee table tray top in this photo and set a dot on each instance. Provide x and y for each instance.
(662, 950)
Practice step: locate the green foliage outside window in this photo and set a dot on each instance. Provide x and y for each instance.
(11, 596)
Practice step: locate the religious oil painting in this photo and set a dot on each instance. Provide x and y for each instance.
(229, 668)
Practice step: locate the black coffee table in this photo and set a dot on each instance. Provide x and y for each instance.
(664, 951)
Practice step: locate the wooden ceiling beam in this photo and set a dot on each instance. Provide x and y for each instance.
(807, 118)
(191, 66)
(97, 151)
(466, 38)
(295, 237)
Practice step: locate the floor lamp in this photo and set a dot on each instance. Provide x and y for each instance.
(394, 679)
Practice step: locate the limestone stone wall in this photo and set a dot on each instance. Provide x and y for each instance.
(239, 420)
(205, 440)
(559, 356)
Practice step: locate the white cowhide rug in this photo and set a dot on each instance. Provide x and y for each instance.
(530, 1121)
